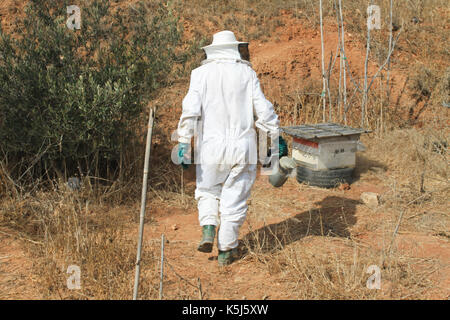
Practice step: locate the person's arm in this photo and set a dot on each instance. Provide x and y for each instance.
(192, 106)
(267, 119)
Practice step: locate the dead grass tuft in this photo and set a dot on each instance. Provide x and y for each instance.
(66, 230)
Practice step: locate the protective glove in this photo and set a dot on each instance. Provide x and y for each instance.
(183, 149)
(282, 150)
(283, 147)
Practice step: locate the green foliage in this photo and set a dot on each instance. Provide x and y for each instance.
(70, 99)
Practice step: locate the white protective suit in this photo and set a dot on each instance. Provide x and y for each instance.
(223, 97)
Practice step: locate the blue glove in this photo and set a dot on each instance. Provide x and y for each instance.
(282, 150)
(183, 149)
(282, 147)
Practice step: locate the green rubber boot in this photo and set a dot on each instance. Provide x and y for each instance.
(225, 258)
(206, 244)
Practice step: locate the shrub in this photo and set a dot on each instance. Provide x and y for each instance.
(70, 99)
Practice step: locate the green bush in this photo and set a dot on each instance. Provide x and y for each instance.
(70, 100)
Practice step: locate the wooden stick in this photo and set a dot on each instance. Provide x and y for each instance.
(381, 105)
(200, 293)
(182, 185)
(400, 220)
(366, 62)
(21, 238)
(324, 87)
(389, 61)
(162, 268)
(330, 69)
(343, 59)
(179, 276)
(143, 203)
(339, 49)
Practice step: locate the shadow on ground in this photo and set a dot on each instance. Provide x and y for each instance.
(332, 217)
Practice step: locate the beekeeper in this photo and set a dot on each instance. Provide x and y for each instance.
(223, 97)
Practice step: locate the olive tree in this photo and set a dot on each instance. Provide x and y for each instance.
(71, 99)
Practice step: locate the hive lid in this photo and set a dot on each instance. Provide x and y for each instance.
(321, 130)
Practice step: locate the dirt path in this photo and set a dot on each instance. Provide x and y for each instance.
(285, 207)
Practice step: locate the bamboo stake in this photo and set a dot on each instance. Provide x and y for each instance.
(381, 106)
(182, 185)
(339, 50)
(340, 90)
(329, 72)
(162, 268)
(324, 87)
(389, 58)
(143, 203)
(343, 58)
(330, 69)
(366, 62)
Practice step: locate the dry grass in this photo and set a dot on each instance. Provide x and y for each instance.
(338, 269)
(65, 228)
(418, 176)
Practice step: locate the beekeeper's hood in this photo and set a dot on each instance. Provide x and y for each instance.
(224, 45)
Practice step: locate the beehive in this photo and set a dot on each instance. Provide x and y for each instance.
(325, 146)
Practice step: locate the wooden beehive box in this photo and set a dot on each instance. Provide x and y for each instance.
(325, 146)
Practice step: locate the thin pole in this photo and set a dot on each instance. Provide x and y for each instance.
(329, 71)
(162, 268)
(340, 90)
(390, 47)
(324, 87)
(343, 57)
(143, 203)
(182, 185)
(339, 50)
(381, 105)
(364, 101)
